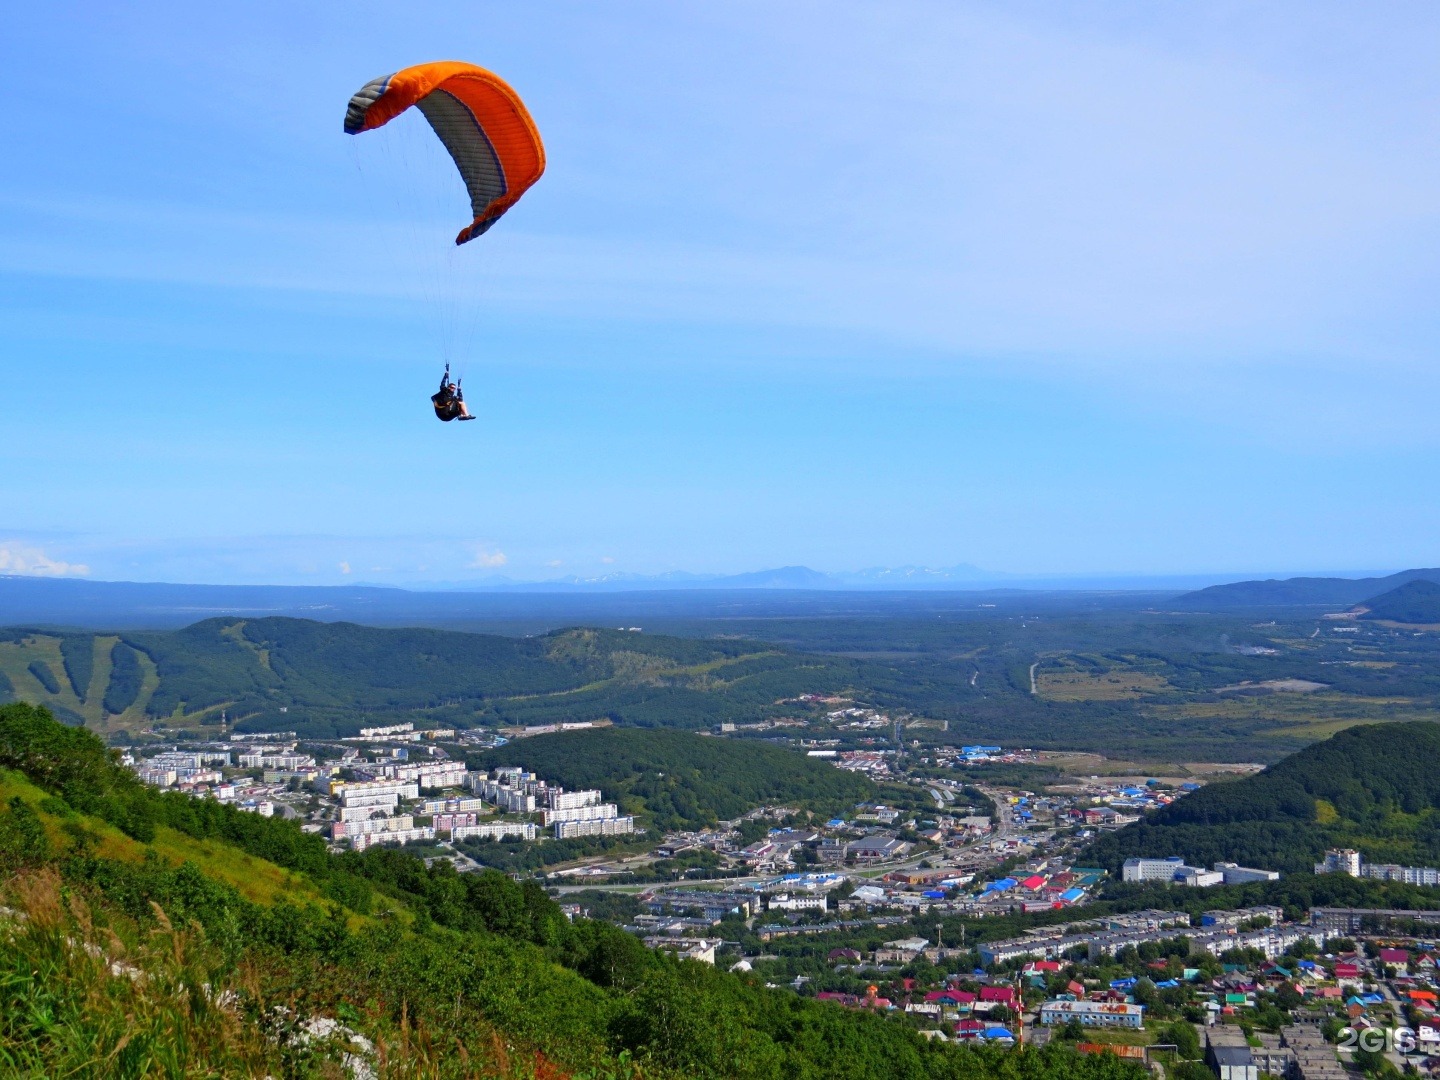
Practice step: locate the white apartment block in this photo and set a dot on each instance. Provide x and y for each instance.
(560, 799)
(1410, 875)
(427, 774)
(276, 761)
(402, 823)
(499, 830)
(353, 793)
(580, 813)
(786, 902)
(389, 729)
(613, 826)
(1152, 869)
(1340, 861)
(1093, 1013)
(365, 840)
(454, 806)
(369, 807)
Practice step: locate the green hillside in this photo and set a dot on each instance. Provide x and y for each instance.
(1414, 602)
(1372, 787)
(678, 780)
(113, 966)
(324, 679)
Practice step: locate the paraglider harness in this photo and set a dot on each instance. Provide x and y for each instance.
(448, 401)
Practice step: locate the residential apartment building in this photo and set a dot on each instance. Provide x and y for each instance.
(612, 826)
(498, 830)
(1093, 1013)
(585, 812)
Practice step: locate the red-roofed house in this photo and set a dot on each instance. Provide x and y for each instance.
(997, 993)
(1394, 956)
(1347, 971)
(1033, 883)
(1076, 989)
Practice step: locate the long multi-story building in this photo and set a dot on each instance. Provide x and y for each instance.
(427, 774)
(400, 823)
(560, 799)
(1244, 875)
(276, 761)
(1093, 1013)
(445, 823)
(1358, 920)
(365, 840)
(588, 812)
(455, 806)
(368, 807)
(360, 792)
(611, 826)
(1410, 875)
(497, 830)
(1349, 861)
(388, 729)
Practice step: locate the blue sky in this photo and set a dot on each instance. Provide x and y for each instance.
(1042, 288)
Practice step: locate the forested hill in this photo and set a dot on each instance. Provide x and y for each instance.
(1373, 787)
(1415, 602)
(1294, 592)
(323, 679)
(679, 780)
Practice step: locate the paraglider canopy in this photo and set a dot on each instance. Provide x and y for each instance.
(481, 121)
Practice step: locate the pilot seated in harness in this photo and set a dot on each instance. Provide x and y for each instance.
(450, 401)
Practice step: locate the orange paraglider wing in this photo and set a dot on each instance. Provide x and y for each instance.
(480, 119)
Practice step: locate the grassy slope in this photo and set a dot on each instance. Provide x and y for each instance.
(17, 655)
(255, 879)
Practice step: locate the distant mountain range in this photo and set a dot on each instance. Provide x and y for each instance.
(604, 600)
(1329, 592)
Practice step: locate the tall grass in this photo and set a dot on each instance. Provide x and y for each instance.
(86, 994)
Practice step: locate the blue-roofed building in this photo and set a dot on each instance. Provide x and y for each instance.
(1071, 895)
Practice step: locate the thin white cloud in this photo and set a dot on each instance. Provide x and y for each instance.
(22, 559)
(486, 560)
(345, 568)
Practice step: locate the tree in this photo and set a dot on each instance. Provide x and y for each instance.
(1184, 1037)
(1145, 993)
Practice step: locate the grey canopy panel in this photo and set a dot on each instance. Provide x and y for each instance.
(366, 96)
(463, 136)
